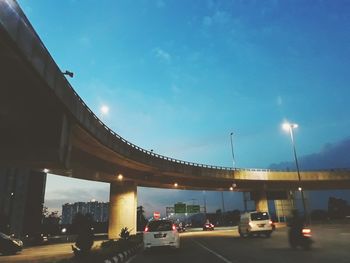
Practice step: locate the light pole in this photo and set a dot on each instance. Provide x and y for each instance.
(205, 204)
(68, 73)
(234, 167)
(233, 155)
(289, 127)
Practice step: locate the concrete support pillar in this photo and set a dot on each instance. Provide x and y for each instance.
(122, 208)
(261, 203)
(284, 207)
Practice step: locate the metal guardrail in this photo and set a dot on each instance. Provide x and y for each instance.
(151, 153)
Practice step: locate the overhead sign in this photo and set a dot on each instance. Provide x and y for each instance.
(193, 209)
(180, 208)
(156, 215)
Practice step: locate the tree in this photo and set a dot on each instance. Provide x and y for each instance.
(50, 221)
(141, 219)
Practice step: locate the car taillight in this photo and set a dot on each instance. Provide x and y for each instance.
(306, 232)
(211, 225)
(270, 222)
(146, 229)
(174, 227)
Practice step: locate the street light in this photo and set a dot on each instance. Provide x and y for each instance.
(233, 155)
(289, 127)
(68, 73)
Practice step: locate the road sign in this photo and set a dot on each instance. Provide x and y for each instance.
(156, 215)
(193, 209)
(180, 208)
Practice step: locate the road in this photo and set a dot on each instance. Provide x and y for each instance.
(332, 243)
(46, 253)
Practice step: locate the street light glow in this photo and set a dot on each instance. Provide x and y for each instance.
(175, 184)
(104, 109)
(46, 170)
(120, 177)
(287, 126)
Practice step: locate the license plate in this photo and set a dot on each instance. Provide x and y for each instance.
(261, 225)
(160, 235)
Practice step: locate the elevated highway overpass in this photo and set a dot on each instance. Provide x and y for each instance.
(45, 124)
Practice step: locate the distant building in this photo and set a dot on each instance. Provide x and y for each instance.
(98, 210)
(21, 201)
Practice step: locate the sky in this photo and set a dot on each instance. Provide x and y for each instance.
(179, 76)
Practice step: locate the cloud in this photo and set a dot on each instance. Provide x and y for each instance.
(207, 21)
(219, 18)
(85, 41)
(279, 101)
(332, 156)
(160, 4)
(162, 54)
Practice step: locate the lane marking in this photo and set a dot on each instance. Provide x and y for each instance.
(131, 259)
(213, 252)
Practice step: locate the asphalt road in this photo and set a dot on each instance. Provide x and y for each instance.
(46, 253)
(332, 244)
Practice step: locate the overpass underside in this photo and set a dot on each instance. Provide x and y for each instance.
(45, 124)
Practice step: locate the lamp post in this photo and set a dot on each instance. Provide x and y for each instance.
(289, 127)
(68, 73)
(233, 155)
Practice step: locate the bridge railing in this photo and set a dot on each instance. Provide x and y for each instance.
(151, 153)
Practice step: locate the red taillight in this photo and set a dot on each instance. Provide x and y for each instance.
(146, 229)
(211, 225)
(174, 227)
(306, 232)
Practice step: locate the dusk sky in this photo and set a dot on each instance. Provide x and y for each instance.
(179, 76)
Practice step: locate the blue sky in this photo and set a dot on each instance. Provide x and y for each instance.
(180, 76)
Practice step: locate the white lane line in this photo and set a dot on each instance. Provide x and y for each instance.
(131, 259)
(213, 252)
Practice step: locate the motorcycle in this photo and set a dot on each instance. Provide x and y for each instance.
(300, 238)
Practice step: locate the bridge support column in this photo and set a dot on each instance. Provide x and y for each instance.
(260, 199)
(284, 207)
(122, 208)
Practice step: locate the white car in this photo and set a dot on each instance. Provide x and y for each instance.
(159, 233)
(255, 223)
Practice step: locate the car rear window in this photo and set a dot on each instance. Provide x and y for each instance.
(160, 226)
(259, 216)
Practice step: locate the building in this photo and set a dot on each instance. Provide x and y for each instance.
(98, 210)
(21, 201)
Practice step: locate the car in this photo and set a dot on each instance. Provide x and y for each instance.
(161, 233)
(208, 226)
(9, 245)
(255, 223)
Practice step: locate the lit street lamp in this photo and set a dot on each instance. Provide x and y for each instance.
(233, 155)
(289, 127)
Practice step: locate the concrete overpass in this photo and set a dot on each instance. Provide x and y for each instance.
(45, 124)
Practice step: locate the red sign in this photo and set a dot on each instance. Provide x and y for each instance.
(156, 215)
